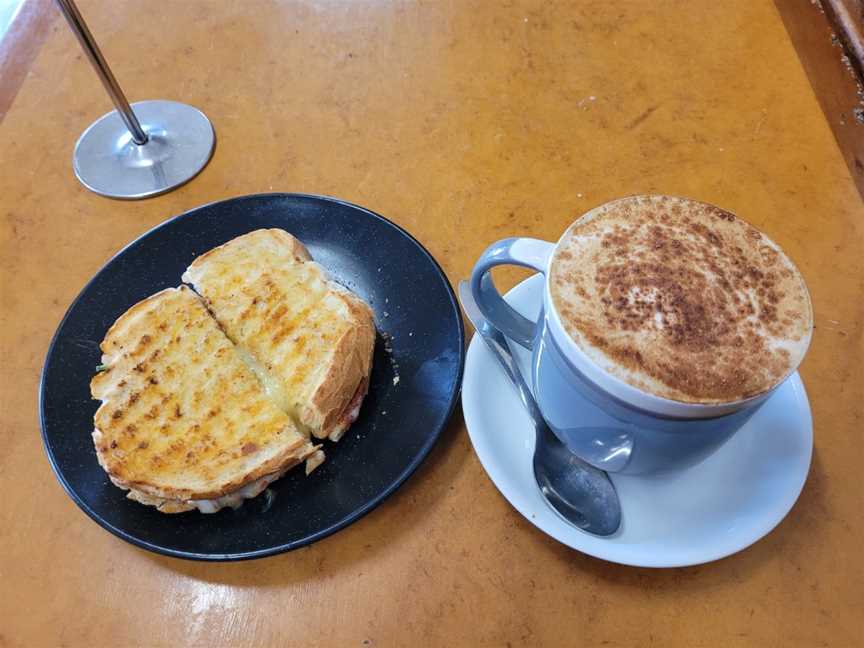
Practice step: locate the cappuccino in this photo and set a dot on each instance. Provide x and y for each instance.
(680, 299)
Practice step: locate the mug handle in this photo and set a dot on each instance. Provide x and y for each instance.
(525, 252)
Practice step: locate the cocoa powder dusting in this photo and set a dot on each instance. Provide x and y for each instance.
(682, 297)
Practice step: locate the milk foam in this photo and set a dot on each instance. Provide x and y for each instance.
(681, 299)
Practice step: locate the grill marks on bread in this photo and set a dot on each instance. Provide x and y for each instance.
(309, 340)
(203, 406)
(182, 416)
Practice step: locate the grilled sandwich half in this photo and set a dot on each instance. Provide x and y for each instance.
(309, 340)
(184, 422)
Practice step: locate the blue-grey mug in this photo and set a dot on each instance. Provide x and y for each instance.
(602, 419)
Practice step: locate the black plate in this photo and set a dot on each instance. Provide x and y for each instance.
(398, 424)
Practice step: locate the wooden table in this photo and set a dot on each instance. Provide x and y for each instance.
(463, 121)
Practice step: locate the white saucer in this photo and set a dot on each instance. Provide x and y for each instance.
(721, 506)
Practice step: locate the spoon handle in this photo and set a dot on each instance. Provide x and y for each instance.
(497, 343)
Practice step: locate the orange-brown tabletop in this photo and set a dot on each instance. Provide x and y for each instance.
(463, 122)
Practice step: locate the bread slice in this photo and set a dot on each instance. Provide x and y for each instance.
(184, 423)
(309, 340)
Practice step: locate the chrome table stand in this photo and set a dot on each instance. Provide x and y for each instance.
(138, 153)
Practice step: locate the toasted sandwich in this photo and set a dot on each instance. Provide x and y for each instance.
(308, 339)
(184, 423)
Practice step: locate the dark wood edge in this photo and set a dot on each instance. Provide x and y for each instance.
(842, 15)
(833, 78)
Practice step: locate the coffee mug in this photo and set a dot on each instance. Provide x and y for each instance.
(604, 420)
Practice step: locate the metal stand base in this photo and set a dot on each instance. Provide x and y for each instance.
(180, 143)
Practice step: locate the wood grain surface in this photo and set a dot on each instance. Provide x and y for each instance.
(463, 121)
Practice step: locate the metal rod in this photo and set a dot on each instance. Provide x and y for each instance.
(76, 22)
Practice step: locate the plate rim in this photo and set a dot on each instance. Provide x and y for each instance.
(800, 394)
(344, 522)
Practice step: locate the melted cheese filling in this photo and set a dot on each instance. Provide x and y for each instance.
(272, 387)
